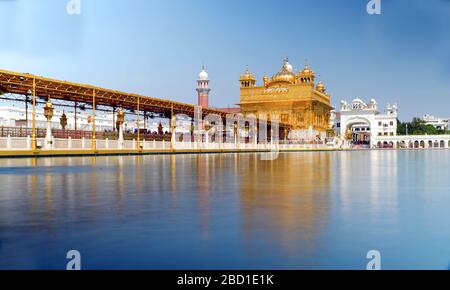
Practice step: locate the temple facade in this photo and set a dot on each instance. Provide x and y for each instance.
(293, 97)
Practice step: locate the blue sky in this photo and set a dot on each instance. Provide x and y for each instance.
(157, 47)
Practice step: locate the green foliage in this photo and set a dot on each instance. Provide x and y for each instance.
(418, 127)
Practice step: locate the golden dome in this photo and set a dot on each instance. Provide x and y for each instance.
(247, 76)
(307, 71)
(306, 76)
(320, 87)
(285, 75)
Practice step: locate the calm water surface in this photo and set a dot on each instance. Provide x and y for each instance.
(301, 211)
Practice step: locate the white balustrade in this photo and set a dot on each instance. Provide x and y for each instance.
(13, 143)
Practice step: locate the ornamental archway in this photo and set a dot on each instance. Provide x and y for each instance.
(358, 131)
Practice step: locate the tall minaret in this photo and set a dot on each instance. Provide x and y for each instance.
(203, 89)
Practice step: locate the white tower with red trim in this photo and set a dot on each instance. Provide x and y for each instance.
(203, 89)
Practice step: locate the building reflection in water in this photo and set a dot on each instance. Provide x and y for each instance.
(369, 178)
(302, 210)
(287, 197)
(283, 203)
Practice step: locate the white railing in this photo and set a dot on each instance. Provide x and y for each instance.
(19, 143)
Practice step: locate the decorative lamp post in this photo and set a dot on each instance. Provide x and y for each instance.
(48, 113)
(119, 125)
(173, 126)
(348, 136)
(192, 130)
(271, 136)
(256, 136)
(235, 131)
(63, 121)
(207, 128)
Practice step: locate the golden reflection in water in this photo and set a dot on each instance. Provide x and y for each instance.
(289, 196)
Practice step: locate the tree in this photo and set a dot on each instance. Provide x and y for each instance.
(418, 127)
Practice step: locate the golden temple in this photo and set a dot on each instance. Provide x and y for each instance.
(292, 97)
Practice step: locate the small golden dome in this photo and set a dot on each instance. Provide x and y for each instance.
(320, 87)
(247, 76)
(307, 71)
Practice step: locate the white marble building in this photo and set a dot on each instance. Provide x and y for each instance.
(438, 123)
(366, 123)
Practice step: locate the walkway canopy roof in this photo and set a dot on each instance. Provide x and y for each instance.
(22, 84)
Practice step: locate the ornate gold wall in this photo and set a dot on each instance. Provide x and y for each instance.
(293, 97)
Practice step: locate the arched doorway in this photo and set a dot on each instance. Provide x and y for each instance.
(442, 144)
(422, 144)
(430, 144)
(358, 132)
(416, 144)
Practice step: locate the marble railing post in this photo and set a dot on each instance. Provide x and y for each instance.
(29, 143)
(8, 142)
